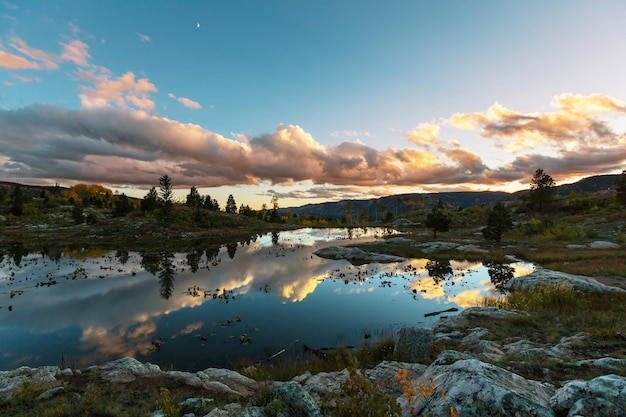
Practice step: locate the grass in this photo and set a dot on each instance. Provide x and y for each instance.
(556, 312)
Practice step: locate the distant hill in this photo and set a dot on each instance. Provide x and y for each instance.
(30, 190)
(399, 204)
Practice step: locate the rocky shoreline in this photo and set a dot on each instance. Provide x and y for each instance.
(470, 376)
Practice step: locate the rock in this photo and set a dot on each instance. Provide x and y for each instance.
(355, 256)
(604, 364)
(399, 241)
(125, 370)
(579, 395)
(252, 412)
(429, 247)
(322, 383)
(241, 384)
(599, 244)
(555, 278)
(385, 374)
(595, 407)
(47, 394)
(573, 246)
(413, 344)
(40, 378)
(476, 388)
(296, 400)
(471, 248)
(196, 404)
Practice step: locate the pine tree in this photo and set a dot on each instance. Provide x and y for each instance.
(498, 222)
(438, 219)
(231, 205)
(541, 188)
(17, 201)
(165, 194)
(151, 201)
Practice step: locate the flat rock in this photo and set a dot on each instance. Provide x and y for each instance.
(125, 370)
(543, 277)
(429, 247)
(356, 255)
(600, 244)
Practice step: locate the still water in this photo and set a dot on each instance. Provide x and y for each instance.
(221, 303)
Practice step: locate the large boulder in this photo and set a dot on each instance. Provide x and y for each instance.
(125, 370)
(599, 397)
(39, 378)
(296, 400)
(543, 277)
(412, 344)
(476, 388)
(356, 256)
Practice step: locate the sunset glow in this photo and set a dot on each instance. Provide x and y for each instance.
(311, 102)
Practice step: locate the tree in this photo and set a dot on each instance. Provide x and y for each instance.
(122, 205)
(231, 206)
(541, 188)
(498, 222)
(438, 219)
(17, 201)
(194, 199)
(151, 201)
(620, 188)
(165, 195)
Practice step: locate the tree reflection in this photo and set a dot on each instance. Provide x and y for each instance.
(161, 263)
(500, 274)
(232, 250)
(439, 270)
(193, 259)
(275, 236)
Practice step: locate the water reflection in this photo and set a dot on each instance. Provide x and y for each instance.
(219, 302)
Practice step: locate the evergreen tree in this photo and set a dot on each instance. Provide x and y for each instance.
(17, 201)
(620, 188)
(231, 205)
(122, 206)
(193, 198)
(498, 222)
(438, 219)
(541, 188)
(151, 201)
(165, 195)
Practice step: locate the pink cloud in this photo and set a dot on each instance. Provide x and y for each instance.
(122, 91)
(185, 101)
(76, 52)
(44, 59)
(14, 62)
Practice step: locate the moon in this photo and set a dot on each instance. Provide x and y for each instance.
(198, 25)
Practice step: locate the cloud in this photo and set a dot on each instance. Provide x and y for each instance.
(115, 140)
(29, 58)
(349, 133)
(76, 52)
(185, 101)
(143, 38)
(123, 91)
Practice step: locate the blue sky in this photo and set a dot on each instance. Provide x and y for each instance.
(311, 100)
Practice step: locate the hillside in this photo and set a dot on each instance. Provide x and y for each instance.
(402, 203)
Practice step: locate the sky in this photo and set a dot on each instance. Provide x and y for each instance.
(311, 101)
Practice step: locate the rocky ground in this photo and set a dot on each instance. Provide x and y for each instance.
(472, 375)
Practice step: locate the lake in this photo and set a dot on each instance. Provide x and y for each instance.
(221, 303)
